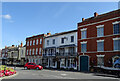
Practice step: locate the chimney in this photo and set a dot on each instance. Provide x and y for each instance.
(21, 44)
(49, 33)
(13, 45)
(83, 19)
(95, 14)
(5, 47)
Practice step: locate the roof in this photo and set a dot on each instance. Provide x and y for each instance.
(56, 34)
(112, 13)
(40, 35)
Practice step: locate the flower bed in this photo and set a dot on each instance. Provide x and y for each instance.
(6, 71)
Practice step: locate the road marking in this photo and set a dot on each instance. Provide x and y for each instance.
(63, 74)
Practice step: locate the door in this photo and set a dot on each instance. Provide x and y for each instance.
(58, 64)
(33, 66)
(84, 63)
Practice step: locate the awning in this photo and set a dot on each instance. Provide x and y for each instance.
(70, 45)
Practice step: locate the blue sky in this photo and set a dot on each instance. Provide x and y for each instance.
(24, 19)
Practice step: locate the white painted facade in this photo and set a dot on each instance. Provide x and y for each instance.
(56, 50)
(22, 51)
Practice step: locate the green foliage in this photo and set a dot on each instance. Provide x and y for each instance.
(3, 67)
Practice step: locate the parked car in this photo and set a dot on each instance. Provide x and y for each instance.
(32, 66)
(117, 63)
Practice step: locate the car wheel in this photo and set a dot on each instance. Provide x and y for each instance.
(25, 68)
(37, 68)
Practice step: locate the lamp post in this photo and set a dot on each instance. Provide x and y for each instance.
(12, 58)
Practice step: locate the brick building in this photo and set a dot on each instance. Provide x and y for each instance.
(34, 46)
(99, 38)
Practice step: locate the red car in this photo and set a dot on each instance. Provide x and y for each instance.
(32, 66)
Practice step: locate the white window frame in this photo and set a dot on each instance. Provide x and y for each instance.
(33, 51)
(97, 45)
(84, 42)
(100, 26)
(36, 51)
(53, 41)
(36, 41)
(33, 42)
(27, 52)
(83, 30)
(116, 22)
(113, 43)
(27, 43)
(48, 42)
(40, 50)
(100, 56)
(40, 40)
(30, 52)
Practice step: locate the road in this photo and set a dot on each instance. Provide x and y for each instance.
(56, 74)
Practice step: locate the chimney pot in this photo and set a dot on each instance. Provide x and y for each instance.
(49, 33)
(95, 14)
(21, 44)
(83, 19)
(5, 46)
(13, 45)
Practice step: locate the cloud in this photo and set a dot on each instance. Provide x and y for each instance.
(7, 16)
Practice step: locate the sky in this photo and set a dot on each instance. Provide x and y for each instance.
(25, 19)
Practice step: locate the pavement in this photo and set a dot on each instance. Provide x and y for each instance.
(57, 74)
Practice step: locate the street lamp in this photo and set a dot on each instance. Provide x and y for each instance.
(12, 58)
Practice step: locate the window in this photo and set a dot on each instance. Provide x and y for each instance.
(62, 62)
(29, 60)
(73, 63)
(37, 42)
(30, 51)
(71, 50)
(27, 52)
(116, 29)
(40, 41)
(100, 61)
(22, 52)
(33, 51)
(83, 47)
(100, 30)
(28, 43)
(36, 50)
(47, 42)
(39, 50)
(33, 42)
(100, 45)
(72, 38)
(36, 61)
(53, 41)
(84, 33)
(62, 40)
(116, 44)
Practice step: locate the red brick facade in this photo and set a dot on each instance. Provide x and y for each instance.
(37, 55)
(91, 23)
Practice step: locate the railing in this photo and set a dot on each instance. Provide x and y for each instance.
(61, 54)
(44, 55)
(67, 54)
